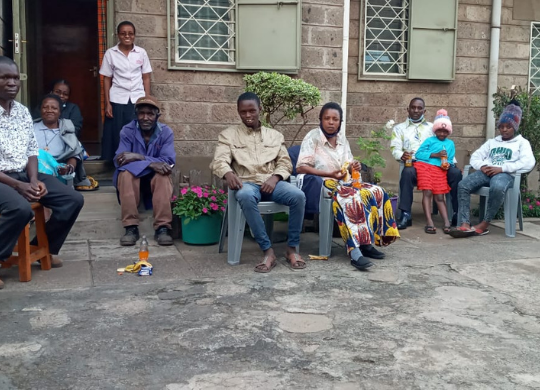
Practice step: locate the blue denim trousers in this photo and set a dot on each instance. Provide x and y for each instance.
(498, 185)
(284, 193)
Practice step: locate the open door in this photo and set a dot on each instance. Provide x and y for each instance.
(64, 44)
(18, 39)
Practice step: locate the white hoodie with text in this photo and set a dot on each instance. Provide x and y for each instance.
(512, 156)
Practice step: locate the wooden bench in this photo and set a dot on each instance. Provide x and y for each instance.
(26, 253)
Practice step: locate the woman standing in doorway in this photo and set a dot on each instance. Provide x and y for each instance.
(126, 70)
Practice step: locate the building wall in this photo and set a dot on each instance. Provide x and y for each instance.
(198, 105)
(372, 103)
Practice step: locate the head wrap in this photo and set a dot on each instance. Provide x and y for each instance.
(442, 121)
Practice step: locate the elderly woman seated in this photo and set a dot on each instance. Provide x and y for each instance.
(57, 137)
(363, 213)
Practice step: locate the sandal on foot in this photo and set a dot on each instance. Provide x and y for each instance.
(298, 262)
(263, 268)
(430, 229)
(447, 229)
(462, 232)
(480, 232)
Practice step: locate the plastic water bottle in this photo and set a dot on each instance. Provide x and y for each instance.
(356, 179)
(444, 160)
(143, 250)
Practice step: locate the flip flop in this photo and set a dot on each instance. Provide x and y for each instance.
(298, 262)
(263, 268)
(94, 185)
(479, 232)
(462, 232)
(430, 229)
(447, 229)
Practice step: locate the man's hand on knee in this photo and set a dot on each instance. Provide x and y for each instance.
(161, 168)
(233, 181)
(269, 185)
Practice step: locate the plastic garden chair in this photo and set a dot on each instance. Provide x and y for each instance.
(512, 204)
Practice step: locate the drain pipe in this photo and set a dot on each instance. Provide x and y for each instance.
(496, 10)
(345, 62)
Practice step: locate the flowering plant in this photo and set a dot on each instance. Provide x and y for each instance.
(196, 201)
(530, 204)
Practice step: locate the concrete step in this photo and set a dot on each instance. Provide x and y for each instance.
(100, 217)
(99, 169)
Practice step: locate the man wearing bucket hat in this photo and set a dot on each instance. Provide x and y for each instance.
(496, 163)
(144, 162)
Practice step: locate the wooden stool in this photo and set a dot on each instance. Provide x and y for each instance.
(26, 253)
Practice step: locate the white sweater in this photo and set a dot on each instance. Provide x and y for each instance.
(512, 156)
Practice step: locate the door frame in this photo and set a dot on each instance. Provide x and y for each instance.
(19, 46)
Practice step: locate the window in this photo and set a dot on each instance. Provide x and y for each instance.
(206, 31)
(534, 66)
(408, 39)
(385, 35)
(233, 35)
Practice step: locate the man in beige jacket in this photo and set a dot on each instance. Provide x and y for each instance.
(254, 162)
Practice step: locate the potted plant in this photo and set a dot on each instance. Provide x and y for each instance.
(371, 148)
(200, 209)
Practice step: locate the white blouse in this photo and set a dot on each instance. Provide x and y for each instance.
(318, 153)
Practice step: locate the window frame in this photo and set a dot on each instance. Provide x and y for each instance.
(362, 68)
(536, 90)
(416, 29)
(173, 37)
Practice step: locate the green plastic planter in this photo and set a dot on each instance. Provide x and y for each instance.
(203, 230)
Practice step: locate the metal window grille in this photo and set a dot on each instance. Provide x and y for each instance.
(205, 31)
(534, 65)
(385, 37)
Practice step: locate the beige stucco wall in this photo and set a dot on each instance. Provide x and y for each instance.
(198, 104)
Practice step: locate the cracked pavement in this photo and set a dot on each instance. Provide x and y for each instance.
(437, 313)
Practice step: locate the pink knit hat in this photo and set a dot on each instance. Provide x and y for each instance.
(442, 121)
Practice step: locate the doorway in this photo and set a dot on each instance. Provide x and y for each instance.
(63, 43)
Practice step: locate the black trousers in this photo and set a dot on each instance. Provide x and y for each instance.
(408, 182)
(122, 115)
(16, 212)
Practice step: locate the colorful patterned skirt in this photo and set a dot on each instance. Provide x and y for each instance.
(364, 216)
(431, 177)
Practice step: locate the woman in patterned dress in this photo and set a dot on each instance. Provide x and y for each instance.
(364, 216)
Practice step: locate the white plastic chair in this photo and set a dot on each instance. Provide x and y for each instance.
(512, 204)
(326, 222)
(234, 222)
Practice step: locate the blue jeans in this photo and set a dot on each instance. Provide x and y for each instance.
(285, 193)
(498, 185)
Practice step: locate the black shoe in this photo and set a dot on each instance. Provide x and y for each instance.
(454, 220)
(370, 251)
(361, 264)
(404, 221)
(163, 237)
(131, 236)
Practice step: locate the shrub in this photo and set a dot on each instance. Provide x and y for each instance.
(372, 148)
(283, 97)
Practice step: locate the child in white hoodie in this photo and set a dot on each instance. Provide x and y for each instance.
(496, 163)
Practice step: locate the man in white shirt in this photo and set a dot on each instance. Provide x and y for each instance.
(406, 139)
(20, 182)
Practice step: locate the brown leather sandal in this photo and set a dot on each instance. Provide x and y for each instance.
(297, 264)
(263, 268)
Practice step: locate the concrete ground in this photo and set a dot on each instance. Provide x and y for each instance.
(437, 313)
